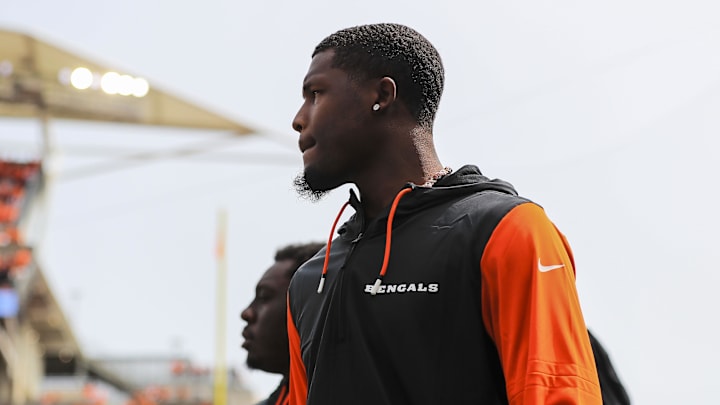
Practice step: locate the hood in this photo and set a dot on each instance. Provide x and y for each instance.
(467, 180)
(410, 199)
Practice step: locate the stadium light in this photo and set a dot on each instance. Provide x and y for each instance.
(125, 85)
(141, 87)
(111, 83)
(81, 78)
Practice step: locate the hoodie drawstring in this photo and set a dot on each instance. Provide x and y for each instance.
(388, 243)
(388, 240)
(327, 250)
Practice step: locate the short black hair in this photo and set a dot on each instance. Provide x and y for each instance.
(298, 253)
(396, 51)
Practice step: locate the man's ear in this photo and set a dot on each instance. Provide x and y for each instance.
(386, 93)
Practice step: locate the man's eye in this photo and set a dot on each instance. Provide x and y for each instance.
(315, 94)
(263, 295)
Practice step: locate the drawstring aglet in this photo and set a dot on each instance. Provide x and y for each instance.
(376, 286)
(321, 284)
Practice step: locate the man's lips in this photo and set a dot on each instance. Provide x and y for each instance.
(309, 156)
(305, 143)
(247, 336)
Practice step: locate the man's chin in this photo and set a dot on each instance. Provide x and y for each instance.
(250, 364)
(306, 190)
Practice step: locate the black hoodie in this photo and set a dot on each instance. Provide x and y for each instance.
(423, 337)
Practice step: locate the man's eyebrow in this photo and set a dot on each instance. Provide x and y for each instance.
(307, 83)
(312, 79)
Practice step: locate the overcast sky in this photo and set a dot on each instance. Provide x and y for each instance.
(606, 114)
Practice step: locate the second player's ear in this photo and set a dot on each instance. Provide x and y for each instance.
(386, 93)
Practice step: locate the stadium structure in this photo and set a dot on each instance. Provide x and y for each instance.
(41, 361)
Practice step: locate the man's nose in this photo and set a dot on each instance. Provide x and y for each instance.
(247, 314)
(299, 122)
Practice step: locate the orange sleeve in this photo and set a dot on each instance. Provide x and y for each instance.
(298, 377)
(532, 312)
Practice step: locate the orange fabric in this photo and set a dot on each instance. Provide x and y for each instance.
(532, 312)
(298, 376)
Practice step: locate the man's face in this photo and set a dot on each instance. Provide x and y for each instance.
(335, 125)
(266, 332)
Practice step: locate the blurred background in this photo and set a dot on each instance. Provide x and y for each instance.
(129, 131)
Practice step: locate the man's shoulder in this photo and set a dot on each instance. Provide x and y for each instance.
(488, 202)
(307, 276)
(312, 267)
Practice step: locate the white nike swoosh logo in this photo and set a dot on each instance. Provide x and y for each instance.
(544, 269)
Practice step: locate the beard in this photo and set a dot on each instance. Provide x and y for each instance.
(306, 191)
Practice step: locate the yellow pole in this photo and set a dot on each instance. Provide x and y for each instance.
(220, 381)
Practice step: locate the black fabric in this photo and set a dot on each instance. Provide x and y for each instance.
(364, 349)
(613, 391)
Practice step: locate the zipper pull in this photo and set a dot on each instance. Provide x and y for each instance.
(356, 240)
